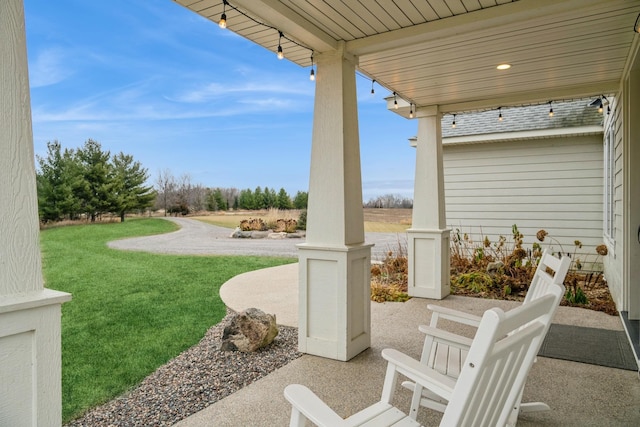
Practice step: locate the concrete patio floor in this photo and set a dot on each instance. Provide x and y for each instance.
(579, 394)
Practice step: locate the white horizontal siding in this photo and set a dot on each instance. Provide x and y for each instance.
(552, 184)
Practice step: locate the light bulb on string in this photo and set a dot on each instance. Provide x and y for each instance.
(312, 75)
(372, 91)
(280, 53)
(453, 123)
(500, 114)
(411, 111)
(395, 101)
(222, 23)
(550, 110)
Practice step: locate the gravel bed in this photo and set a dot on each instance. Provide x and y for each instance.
(192, 381)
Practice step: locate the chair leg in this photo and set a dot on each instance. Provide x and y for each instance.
(523, 408)
(297, 419)
(533, 407)
(425, 398)
(415, 400)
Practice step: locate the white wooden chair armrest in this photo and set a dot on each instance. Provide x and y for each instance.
(446, 337)
(440, 384)
(305, 402)
(454, 315)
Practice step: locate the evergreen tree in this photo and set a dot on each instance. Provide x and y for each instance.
(57, 181)
(283, 201)
(246, 200)
(129, 191)
(96, 189)
(300, 200)
(269, 198)
(220, 200)
(258, 198)
(211, 201)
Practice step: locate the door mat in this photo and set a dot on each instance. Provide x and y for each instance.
(594, 346)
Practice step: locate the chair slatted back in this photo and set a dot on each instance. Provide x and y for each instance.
(542, 279)
(498, 363)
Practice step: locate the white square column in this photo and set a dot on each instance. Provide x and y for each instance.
(335, 304)
(30, 364)
(428, 237)
(335, 263)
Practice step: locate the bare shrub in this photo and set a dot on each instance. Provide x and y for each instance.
(501, 270)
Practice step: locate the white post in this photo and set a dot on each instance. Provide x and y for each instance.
(335, 263)
(30, 379)
(428, 237)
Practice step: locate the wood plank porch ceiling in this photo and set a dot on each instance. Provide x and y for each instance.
(445, 52)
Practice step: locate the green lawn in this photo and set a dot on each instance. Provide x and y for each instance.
(131, 311)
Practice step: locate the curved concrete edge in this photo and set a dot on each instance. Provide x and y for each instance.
(273, 290)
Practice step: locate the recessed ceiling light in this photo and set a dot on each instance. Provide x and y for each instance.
(503, 66)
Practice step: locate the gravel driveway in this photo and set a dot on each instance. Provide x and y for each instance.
(198, 238)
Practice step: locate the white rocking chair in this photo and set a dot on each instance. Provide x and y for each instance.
(446, 352)
(489, 384)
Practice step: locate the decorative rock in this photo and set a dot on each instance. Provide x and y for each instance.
(495, 267)
(239, 234)
(280, 235)
(249, 330)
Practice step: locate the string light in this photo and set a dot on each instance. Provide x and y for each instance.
(372, 91)
(550, 109)
(312, 75)
(411, 111)
(500, 114)
(395, 101)
(453, 123)
(608, 105)
(636, 27)
(223, 24)
(600, 107)
(223, 19)
(280, 53)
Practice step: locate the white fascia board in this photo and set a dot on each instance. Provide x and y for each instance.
(524, 135)
(518, 136)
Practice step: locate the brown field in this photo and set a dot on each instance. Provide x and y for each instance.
(375, 220)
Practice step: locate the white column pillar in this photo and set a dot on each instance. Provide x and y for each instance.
(428, 237)
(335, 263)
(30, 379)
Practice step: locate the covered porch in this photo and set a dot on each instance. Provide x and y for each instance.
(440, 58)
(436, 57)
(579, 394)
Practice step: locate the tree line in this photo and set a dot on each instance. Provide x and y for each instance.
(178, 195)
(389, 201)
(89, 182)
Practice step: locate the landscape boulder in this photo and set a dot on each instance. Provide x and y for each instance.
(249, 330)
(494, 268)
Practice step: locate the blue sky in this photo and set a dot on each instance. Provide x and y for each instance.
(155, 80)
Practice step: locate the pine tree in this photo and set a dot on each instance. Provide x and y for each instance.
(58, 179)
(129, 191)
(283, 201)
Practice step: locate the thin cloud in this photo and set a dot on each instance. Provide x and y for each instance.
(49, 67)
(214, 91)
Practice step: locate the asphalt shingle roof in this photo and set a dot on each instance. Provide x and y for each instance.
(567, 114)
